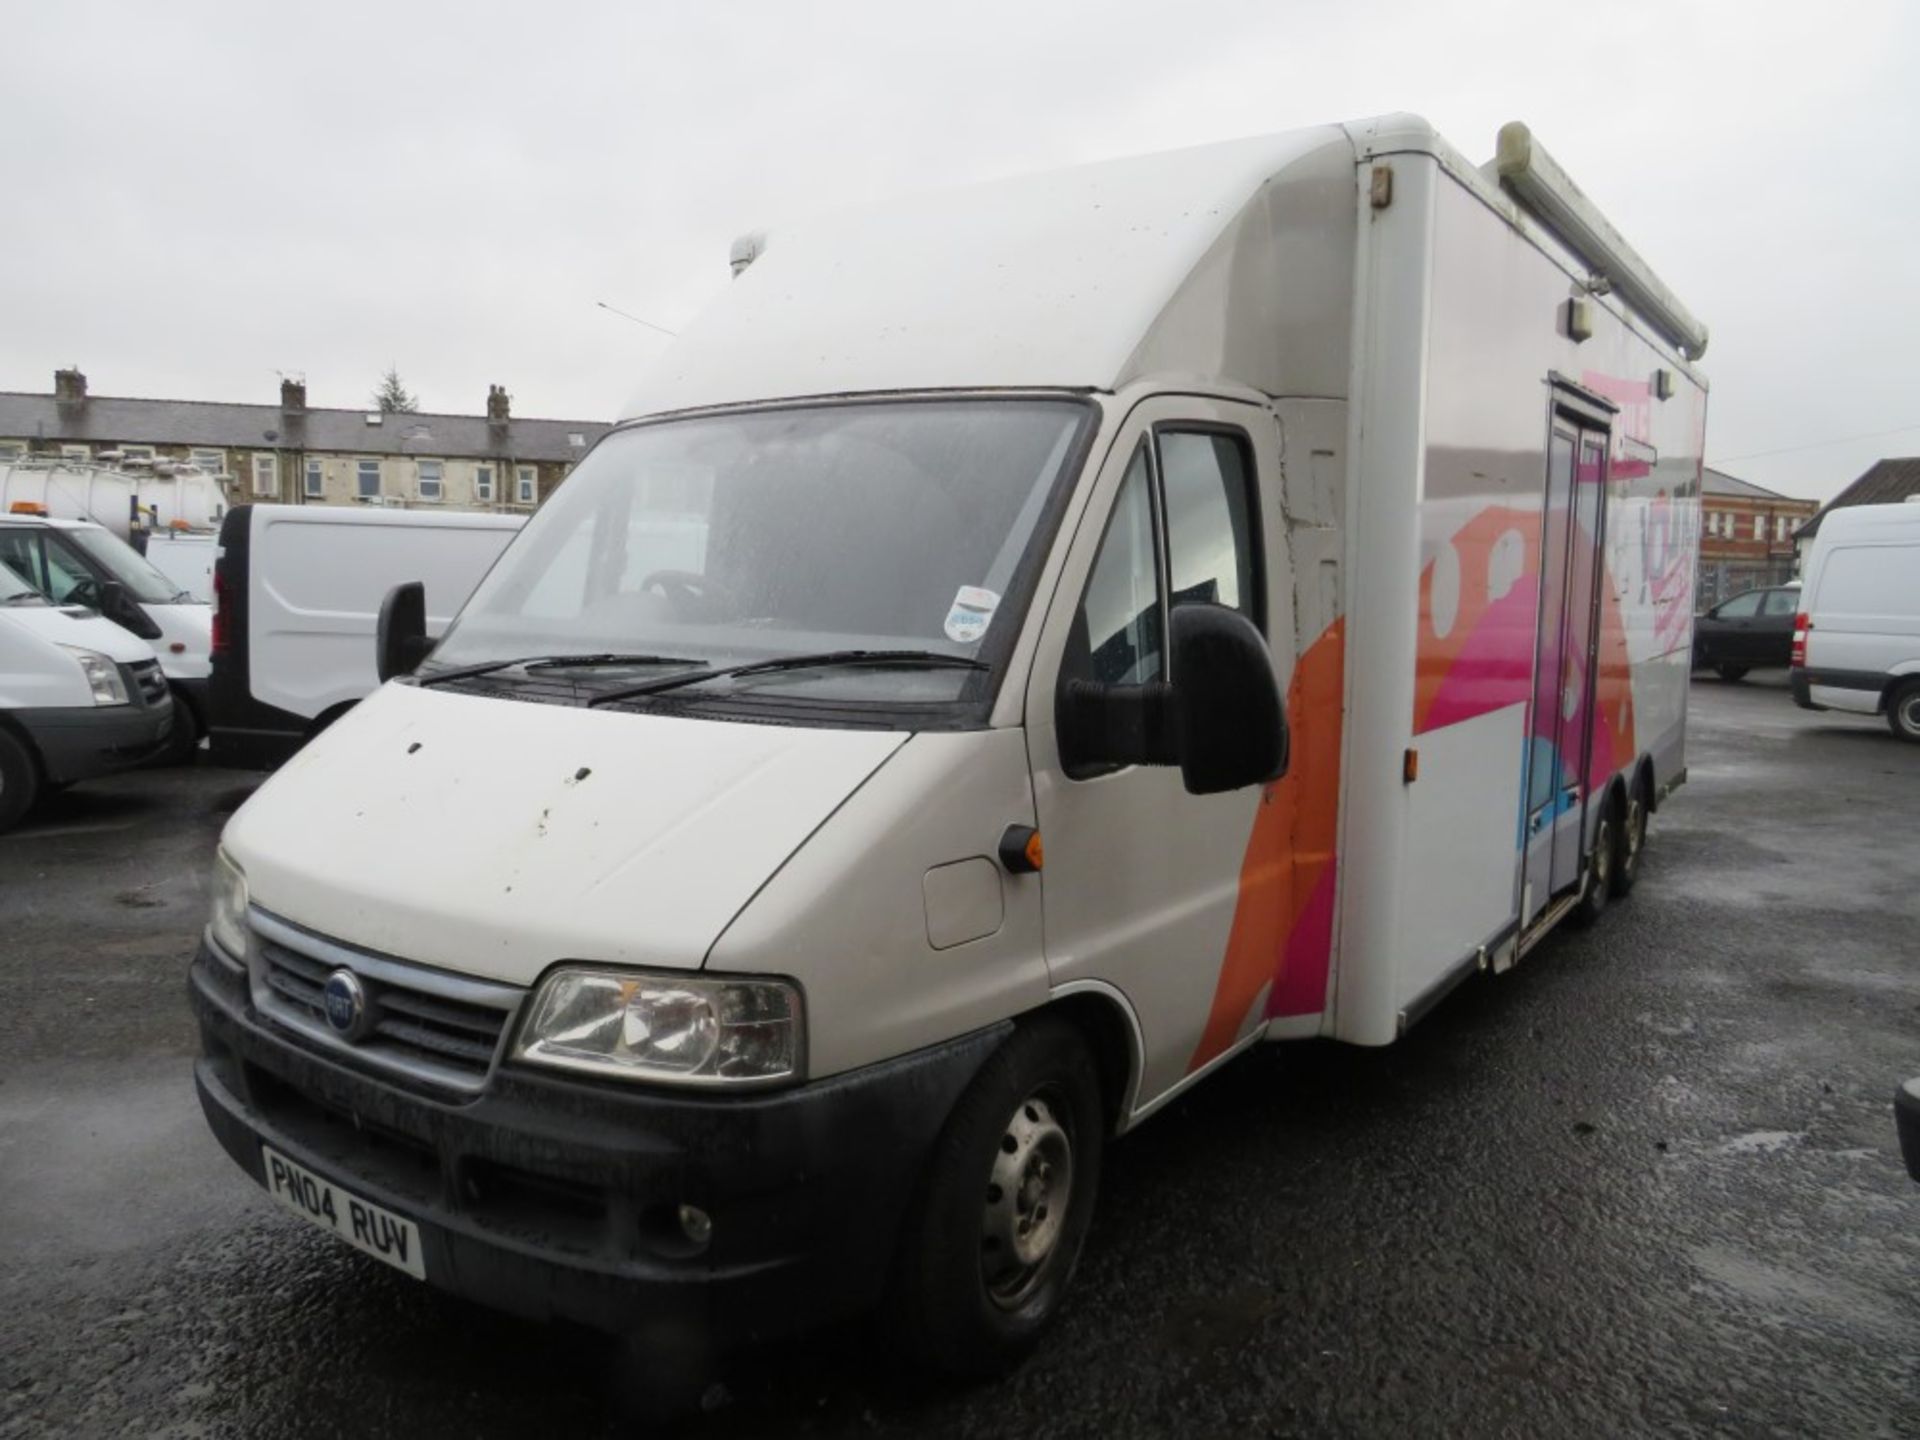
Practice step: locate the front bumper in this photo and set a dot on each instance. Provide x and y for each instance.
(78, 743)
(556, 1199)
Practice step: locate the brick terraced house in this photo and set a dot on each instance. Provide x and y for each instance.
(1746, 536)
(294, 453)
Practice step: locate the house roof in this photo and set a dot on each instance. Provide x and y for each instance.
(106, 419)
(1718, 482)
(1887, 482)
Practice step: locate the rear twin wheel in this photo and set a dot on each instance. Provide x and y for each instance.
(1630, 840)
(1619, 841)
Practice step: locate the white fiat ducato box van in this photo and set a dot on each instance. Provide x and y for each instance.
(1856, 643)
(1025, 647)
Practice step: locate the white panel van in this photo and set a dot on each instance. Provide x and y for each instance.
(1022, 648)
(296, 592)
(186, 558)
(77, 562)
(1856, 643)
(79, 696)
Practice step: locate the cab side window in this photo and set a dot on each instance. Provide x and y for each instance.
(1207, 482)
(20, 550)
(1781, 602)
(1116, 635)
(1741, 607)
(71, 580)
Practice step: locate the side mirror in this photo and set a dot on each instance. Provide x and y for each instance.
(115, 606)
(1222, 720)
(1232, 721)
(400, 637)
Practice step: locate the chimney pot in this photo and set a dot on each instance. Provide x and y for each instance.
(293, 396)
(69, 386)
(498, 401)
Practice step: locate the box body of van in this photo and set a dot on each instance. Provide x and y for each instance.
(297, 590)
(1856, 643)
(74, 561)
(79, 696)
(1023, 648)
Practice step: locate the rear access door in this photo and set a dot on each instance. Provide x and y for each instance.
(1566, 646)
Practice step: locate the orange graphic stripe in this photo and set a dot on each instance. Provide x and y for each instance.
(1288, 853)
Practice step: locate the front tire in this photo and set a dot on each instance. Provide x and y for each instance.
(1903, 711)
(186, 736)
(1732, 674)
(19, 781)
(1005, 1205)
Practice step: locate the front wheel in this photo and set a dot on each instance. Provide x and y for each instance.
(1903, 711)
(1005, 1205)
(19, 780)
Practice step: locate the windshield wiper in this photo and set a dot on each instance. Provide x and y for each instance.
(30, 596)
(912, 659)
(554, 662)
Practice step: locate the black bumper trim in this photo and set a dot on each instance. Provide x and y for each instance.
(1874, 680)
(76, 743)
(556, 1199)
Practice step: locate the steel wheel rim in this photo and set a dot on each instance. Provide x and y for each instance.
(1910, 714)
(1029, 1192)
(1603, 853)
(1636, 833)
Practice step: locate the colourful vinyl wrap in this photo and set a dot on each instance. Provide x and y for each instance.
(1282, 936)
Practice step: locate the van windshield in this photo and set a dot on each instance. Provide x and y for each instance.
(127, 565)
(719, 541)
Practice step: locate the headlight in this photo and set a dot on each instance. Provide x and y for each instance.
(102, 674)
(679, 1029)
(228, 923)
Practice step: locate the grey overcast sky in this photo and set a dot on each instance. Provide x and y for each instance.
(201, 195)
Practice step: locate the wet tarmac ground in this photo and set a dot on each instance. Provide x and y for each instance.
(1645, 1184)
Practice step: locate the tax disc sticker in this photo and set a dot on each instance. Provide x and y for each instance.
(972, 609)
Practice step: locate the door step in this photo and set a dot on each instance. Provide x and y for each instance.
(1549, 918)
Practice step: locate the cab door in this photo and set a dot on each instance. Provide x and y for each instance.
(1141, 879)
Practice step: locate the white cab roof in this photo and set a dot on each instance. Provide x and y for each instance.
(1081, 278)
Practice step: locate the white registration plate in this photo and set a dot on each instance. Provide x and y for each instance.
(361, 1223)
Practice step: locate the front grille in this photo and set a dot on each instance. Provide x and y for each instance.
(423, 1026)
(148, 680)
